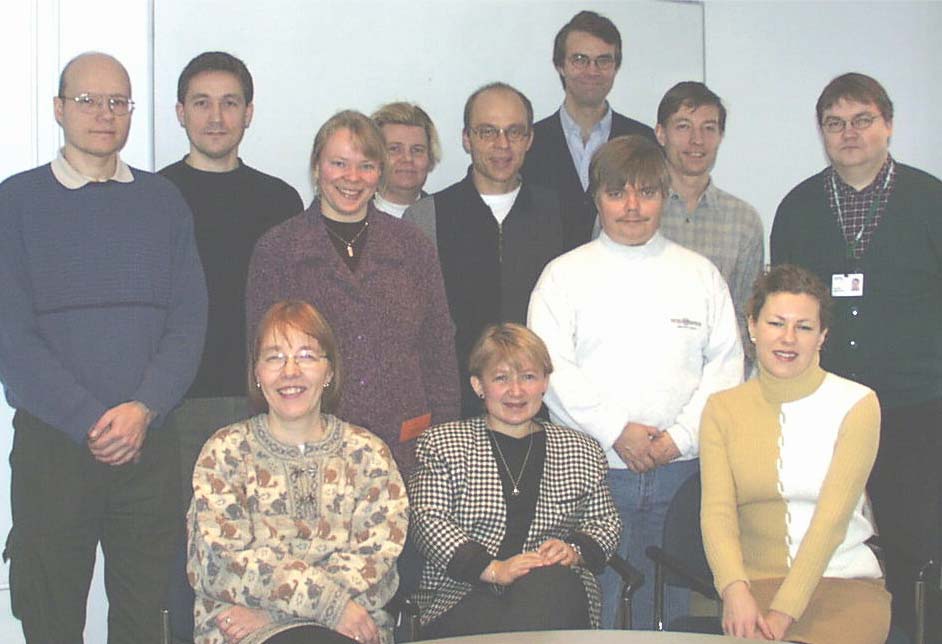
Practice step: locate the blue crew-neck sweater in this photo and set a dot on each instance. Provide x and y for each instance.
(104, 299)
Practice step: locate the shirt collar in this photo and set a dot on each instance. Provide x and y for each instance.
(66, 174)
(878, 183)
(571, 128)
(708, 198)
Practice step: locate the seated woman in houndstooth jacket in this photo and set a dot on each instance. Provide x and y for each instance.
(297, 517)
(512, 513)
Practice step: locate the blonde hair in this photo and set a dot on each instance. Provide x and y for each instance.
(508, 342)
(402, 113)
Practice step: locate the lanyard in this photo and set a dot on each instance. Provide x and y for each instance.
(868, 219)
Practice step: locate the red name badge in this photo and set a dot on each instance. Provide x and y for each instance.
(414, 427)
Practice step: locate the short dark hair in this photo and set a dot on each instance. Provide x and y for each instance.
(689, 94)
(216, 61)
(856, 87)
(303, 317)
(633, 159)
(469, 104)
(591, 23)
(789, 278)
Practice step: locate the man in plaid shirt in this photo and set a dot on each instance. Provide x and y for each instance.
(691, 121)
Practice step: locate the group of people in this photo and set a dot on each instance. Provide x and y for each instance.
(513, 375)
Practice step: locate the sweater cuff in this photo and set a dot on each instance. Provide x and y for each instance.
(468, 562)
(593, 557)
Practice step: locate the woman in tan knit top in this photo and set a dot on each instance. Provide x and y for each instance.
(784, 461)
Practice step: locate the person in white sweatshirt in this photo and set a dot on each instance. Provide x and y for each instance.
(641, 331)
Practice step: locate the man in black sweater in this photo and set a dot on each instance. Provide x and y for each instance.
(233, 205)
(494, 232)
(871, 229)
(587, 56)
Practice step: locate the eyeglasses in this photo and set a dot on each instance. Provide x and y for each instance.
(275, 362)
(514, 133)
(92, 103)
(603, 63)
(835, 125)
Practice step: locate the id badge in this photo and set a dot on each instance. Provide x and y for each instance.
(847, 284)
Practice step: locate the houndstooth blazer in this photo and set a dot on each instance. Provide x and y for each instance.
(456, 497)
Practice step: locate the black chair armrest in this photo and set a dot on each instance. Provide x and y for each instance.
(677, 567)
(630, 576)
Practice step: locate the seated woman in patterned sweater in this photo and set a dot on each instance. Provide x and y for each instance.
(784, 460)
(297, 516)
(511, 513)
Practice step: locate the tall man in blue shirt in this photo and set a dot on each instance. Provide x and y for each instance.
(101, 329)
(587, 55)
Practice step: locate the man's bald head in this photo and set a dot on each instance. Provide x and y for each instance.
(92, 61)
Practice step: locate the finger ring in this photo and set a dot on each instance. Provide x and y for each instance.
(228, 620)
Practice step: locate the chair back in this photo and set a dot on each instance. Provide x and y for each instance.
(682, 538)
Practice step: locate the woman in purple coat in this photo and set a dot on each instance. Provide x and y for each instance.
(378, 282)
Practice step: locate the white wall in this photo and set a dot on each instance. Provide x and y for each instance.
(769, 62)
(360, 54)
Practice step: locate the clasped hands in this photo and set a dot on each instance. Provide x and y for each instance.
(643, 447)
(742, 617)
(550, 552)
(119, 434)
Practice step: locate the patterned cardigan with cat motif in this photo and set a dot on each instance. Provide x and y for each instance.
(296, 531)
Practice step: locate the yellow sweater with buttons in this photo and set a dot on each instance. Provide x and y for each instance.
(784, 463)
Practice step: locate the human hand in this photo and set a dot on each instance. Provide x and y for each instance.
(741, 616)
(778, 623)
(506, 572)
(119, 434)
(556, 551)
(237, 622)
(355, 622)
(633, 446)
(663, 449)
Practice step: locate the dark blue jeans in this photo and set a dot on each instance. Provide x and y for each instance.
(642, 501)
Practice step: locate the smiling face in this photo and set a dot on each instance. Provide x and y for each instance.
(587, 87)
(788, 333)
(292, 388)
(856, 152)
(215, 116)
(512, 396)
(496, 164)
(92, 138)
(691, 139)
(346, 179)
(409, 160)
(630, 215)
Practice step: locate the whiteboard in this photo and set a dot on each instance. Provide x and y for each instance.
(311, 58)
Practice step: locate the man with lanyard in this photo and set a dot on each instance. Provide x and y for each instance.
(869, 226)
(587, 56)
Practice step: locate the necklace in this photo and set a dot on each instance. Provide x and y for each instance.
(349, 244)
(500, 453)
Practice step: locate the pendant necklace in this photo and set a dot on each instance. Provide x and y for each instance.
(349, 244)
(500, 452)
